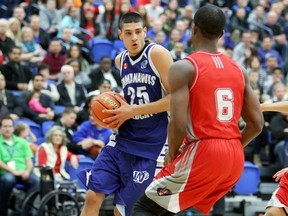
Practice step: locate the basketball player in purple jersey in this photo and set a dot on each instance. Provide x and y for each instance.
(126, 166)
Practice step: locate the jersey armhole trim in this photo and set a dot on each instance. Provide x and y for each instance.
(196, 72)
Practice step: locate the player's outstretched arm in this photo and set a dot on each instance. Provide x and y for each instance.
(180, 77)
(276, 107)
(251, 114)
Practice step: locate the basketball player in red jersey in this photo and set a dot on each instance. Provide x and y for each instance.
(278, 204)
(214, 92)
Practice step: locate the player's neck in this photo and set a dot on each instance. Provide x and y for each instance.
(207, 46)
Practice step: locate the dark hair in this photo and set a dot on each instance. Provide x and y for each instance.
(7, 117)
(15, 47)
(210, 20)
(130, 17)
(43, 67)
(35, 75)
(104, 81)
(276, 69)
(71, 60)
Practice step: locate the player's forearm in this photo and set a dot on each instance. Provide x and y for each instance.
(176, 133)
(277, 107)
(159, 106)
(249, 133)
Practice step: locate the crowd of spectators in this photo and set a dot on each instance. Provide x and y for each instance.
(46, 59)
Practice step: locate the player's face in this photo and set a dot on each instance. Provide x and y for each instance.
(133, 36)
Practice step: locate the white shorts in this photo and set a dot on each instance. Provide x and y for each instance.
(274, 201)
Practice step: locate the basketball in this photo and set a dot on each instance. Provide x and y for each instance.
(94, 150)
(105, 101)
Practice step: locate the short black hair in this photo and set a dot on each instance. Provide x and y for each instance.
(130, 17)
(35, 75)
(210, 20)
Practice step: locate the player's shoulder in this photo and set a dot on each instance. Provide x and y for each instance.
(159, 52)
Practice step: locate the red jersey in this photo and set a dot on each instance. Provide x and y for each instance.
(282, 193)
(216, 97)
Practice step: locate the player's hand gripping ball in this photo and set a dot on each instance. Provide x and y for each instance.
(105, 101)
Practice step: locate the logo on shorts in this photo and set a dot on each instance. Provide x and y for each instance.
(140, 176)
(163, 191)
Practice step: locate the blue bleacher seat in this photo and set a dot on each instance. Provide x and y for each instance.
(84, 163)
(40, 140)
(118, 47)
(59, 109)
(35, 128)
(100, 48)
(46, 125)
(249, 180)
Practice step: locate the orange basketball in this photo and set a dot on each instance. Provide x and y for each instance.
(94, 150)
(105, 101)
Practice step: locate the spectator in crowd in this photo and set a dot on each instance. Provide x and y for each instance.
(45, 100)
(54, 59)
(257, 16)
(84, 114)
(23, 130)
(271, 63)
(40, 35)
(277, 77)
(108, 21)
(266, 50)
(175, 36)
(279, 38)
(240, 50)
(14, 30)
(141, 9)
(279, 132)
(156, 26)
(54, 153)
(71, 93)
(161, 38)
(66, 40)
(178, 51)
(182, 27)
(34, 103)
(67, 123)
(49, 87)
(5, 42)
(104, 86)
(17, 75)
(20, 14)
(88, 22)
(80, 76)
(104, 71)
(174, 10)
(71, 21)
(16, 164)
(90, 134)
(238, 24)
(153, 9)
(75, 52)
(32, 52)
(50, 18)
(9, 102)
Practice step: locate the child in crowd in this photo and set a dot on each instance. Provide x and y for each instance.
(34, 104)
(23, 130)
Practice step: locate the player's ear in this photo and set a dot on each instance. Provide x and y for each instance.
(145, 30)
(120, 34)
(223, 32)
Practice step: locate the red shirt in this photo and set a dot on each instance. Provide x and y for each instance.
(216, 97)
(55, 63)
